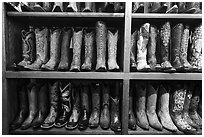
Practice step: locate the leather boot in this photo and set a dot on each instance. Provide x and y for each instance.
(163, 109)
(184, 48)
(193, 8)
(43, 106)
(171, 7)
(28, 47)
(194, 106)
(158, 7)
(152, 90)
(200, 106)
(72, 123)
(55, 41)
(176, 37)
(95, 114)
(66, 39)
(89, 48)
(105, 112)
(85, 112)
(151, 49)
(42, 48)
(141, 118)
(109, 7)
(119, 7)
(23, 109)
(112, 50)
(88, 7)
(142, 42)
(54, 105)
(58, 7)
(27, 6)
(44, 7)
(165, 34)
(132, 119)
(72, 7)
(181, 7)
(33, 108)
(196, 49)
(138, 7)
(13, 6)
(101, 33)
(176, 108)
(133, 66)
(65, 98)
(76, 44)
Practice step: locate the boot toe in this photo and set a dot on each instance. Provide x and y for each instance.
(47, 125)
(71, 125)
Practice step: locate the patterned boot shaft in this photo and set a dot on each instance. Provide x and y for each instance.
(143, 38)
(89, 38)
(66, 38)
(101, 35)
(112, 50)
(77, 43)
(133, 49)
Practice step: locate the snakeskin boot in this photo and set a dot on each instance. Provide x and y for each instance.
(42, 48)
(138, 7)
(133, 65)
(58, 7)
(142, 42)
(66, 39)
(112, 50)
(54, 106)
(132, 119)
(101, 33)
(89, 48)
(76, 44)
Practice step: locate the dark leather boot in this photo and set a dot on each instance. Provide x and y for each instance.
(112, 50)
(163, 108)
(195, 58)
(181, 7)
(58, 7)
(55, 44)
(109, 7)
(176, 35)
(66, 39)
(141, 118)
(72, 123)
(101, 33)
(54, 105)
(138, 7)
(165, 34)
(171, 7)
(133, 66)
(89, 37)
(28, 47)
(76, 44)
(152, 90)
(65, 98)
(95, 114)
(193, 8)
(43, 106)
(119, 7)
(23, 109)
(151, 49)
(85, 112)
(42, 48)
(43, 7)
(88, 7)
(158, 7)
(72, 7)
(176, 108)
(33, 108)
(132, 119)
(105, 112)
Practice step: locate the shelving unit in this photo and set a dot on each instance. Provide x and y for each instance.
(12, 23)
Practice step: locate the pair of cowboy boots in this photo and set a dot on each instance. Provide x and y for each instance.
(189, 7)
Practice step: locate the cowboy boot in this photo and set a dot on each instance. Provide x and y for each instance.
(101, 33)
(196, 49)
(105, 112)
(132, 119)
(109, 7)
(58, 7)
(163, 109)
(95, 114)
(72, 7)
(89, 48)
(152, 90)
(151, 50)
(181, 7)
(165, 34)
(85, 112)
(42, 48)
(13, 6)
(112, 50)
(200, 106)
(43, 7)
(176, 108)
(72, 123)
(142, 42)
(138, 7)
(171, 7)
(76, 44)
(27, 6)
(33, 108)
(157, 7)
(66, 39)
(55, 41)
(133, 65)
(28, 46)
(43, 106)
(54, 105)
(184, 48)
(141, 118)
(23, 109)
(119, 7)
(192, 8)
(88, 7)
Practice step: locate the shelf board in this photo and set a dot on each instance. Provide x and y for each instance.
(167, 16)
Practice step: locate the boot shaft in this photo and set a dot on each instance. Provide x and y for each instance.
(141, 97)
(55, 36)
(114, 107)
(151, 98)
(184, 42)
(105, 94)
(43, 99)
(112, 44)
(54, 95)
(164, 98)
(85, 97)
(133, 47)
(23, 98)
(95, 93)
(32, 98)
(76, 97)
(89, 38)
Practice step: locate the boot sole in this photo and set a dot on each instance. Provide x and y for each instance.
(71, 128)
(47, 127)
(59, 126)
